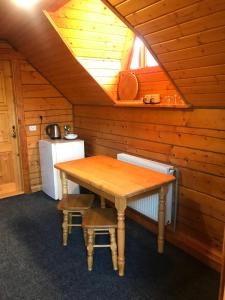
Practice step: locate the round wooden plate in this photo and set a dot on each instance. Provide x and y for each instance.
(127, 86)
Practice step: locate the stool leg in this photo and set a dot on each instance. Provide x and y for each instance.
(113, 247)
(65, 227)
(90, 248)
(70, 223)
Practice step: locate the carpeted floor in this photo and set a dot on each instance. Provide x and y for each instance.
(35, 265)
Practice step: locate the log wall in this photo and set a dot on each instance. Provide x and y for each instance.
(192, 140)
(38, 99)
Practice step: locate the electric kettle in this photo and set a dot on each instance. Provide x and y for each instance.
(53, 131)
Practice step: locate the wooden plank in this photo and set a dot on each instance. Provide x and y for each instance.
(156, 10)
(38, 91)
(50, 119)
(32, 77)
(205, 183)
(200, 222)
(198, 72)
(31, 104)
(193, 40)
(73, 24)
(130, 6)
(199, 51)
(204, 61)
(89, 16)
(197, 118)
(188, 13)
(188, 28)
(203, 203)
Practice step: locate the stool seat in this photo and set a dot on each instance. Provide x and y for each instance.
(76, 202)
(73, 205)
(100, 221)
(100, 218)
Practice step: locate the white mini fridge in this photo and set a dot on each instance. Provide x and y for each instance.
(55, 151)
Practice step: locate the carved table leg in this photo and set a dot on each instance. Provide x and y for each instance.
(161, 218)
(113, 246)
(120, 204)
(64, 184)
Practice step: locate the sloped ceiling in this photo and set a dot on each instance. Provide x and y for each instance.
(31, 33)
(188, 39)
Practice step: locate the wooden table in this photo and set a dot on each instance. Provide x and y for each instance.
(118, 182)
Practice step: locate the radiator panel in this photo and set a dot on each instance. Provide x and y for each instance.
(148, 206)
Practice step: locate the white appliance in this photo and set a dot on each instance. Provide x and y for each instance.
(55, 151)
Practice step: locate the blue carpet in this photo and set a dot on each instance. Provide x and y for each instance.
(35, 265)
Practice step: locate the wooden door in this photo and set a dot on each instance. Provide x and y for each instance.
(10, 170)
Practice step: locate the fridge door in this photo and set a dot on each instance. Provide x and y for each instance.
(49, 176)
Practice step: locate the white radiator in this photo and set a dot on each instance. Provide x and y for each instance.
(148, 206)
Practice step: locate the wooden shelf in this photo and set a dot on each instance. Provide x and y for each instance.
(139, 103)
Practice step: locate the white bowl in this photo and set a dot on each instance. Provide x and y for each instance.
(70, 136)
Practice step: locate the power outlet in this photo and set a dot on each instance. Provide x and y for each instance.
(32, 128)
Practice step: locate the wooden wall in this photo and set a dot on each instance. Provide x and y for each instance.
(39, 98)
(33, 35)
(153, 80)
(192, 140)
(97, 38)
(188, 37)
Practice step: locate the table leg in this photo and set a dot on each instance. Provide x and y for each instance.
(161, 217)
(120, 204)
(64, 184)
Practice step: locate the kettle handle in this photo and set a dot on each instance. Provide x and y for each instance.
(47, 129)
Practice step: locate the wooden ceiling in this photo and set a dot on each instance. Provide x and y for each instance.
(31, 33)
(188, 38)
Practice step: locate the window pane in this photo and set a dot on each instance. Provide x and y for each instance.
(138, 60)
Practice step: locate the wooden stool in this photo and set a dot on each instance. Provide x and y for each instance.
(73, 206)
(100, 221)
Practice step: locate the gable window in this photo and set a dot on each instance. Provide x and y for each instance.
(141, 57)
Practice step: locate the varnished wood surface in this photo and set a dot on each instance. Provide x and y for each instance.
(100, 218)
(76, 202)
(153, 80)
(188, 39)
(34, 97)
(85, 26)
(119, 182)
(10, 165)
(113, 176)
(193, 141)
(36, 38)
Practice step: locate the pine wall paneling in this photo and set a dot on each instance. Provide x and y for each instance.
(97, 38)
(193, 140)
(37, 98)
(35, 36)
(153, 80)
(188, 39)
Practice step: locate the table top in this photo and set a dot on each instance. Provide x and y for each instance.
(113, 176)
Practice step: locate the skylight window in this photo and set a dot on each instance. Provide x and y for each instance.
(141, 57)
